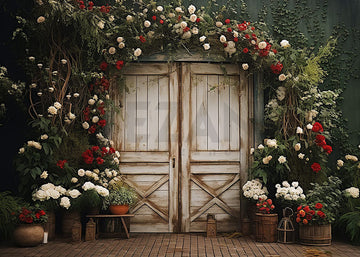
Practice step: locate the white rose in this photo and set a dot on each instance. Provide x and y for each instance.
(262, 45)
(146, 24)
(299, 130)
(65, 202)
(252, 150)
(40, 195)
(260, 147)
(44, 137)
(44, 174)
(285, 184)
(85, 125)
(282, 159)
(88, 186)
(91, 101)
(160, 8)
(74, 193)
(102, 191)
(193, 17)
(340, 163)
(309, 126)
(271, 143)
(245, 66)
(195, 30)
(202, 38)
(171, 15)
(71, 116)
(74, 180)
(267, 159)
(301, 156)
(47, 186)
(280, 93)
(112, 50)
(121, 45)
(129, 18)
(277, 186)
(137, 52)
(95, 119)
(54, 194)
(51, 89)
(222, 39)
(218, 24)
(31, 58)
(60, 189)
(88, 173)
(186, 35)
(297, 147)
(52, 110)
(111, 18)
(178, 9)
(284, 43)
(21, 150)
(183, 24)
(191, 9)
(206, 46)
(57, 105)
(282, 77)
(235, 33)
(120, 39)
(81, 172)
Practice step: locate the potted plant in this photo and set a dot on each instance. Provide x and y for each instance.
(29, 230)
(119, 199)
(266, 221)
(316, 215)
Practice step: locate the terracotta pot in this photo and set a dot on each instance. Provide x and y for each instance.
(29, 234)
(119, 209)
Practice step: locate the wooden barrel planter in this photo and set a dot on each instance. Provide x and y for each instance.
(68, 220)
(315, 234)
(266, 227)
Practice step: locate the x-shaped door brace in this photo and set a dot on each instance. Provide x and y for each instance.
(147, 193)
(215, 194)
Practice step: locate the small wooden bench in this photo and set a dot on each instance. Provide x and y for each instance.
(97, 217)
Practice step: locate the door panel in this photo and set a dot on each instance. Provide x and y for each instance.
(210, 175)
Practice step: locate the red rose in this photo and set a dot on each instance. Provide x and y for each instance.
(103, 66)
(95, 148)
(312, 212)
(99, 160)
(299, 208)
(142, 39)
(317, 127)
(276, 69)
(91, 3)
(321, 214)
(227, 21)
(316, 167)
(111, 150)
(119, 65)
(92, 129)
(102, 123)
(305, 221)
(161, 22)
(22, 217)
(229, 29)
(247, 36)
(252, 28)
(242, 27)
(197, 20)
(236, 39)
(298, 219)
(318, 206)
(225, 44)
(307, 209)
(186, 29)
(308, 217)
(29, 220)
(263, 53)
(42, 213)
(61, 163)
(269, 201)
(154, 18)
(327, 149)
(274, 51)
(37, 215)
(254, 36)
(245, 50)
(82, 7)
(320, 140)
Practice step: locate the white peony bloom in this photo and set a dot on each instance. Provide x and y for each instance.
(295, 184)
(351, 157)
(40, 195)
(21, 150)
(262, 45)
(267, 159)
(191, 9)
(71, 116)
(31, 58)
(89, 173)
(34, 144)
(340, 163)
(57, 105)
(222, 39)
(245, 66)
(112, 50)
(309, 126)
(54, 194)
(74, 180)
(44, 137)
(60, 189)
(40, 65)
(171, 15)
(178, 9)
(195, 30)
(285, 184)
(193, 17)
(277, 186)
(74, 193)
(47, 186)
(44, 174)
(120, 39)
(146, 24)
(52, 110)
(282, 159)
(299, 130)
(206, 46)
(137, 52)
(297, 147)
(284, 43)
(81, 172)
(102, 191)
(353, 192)
(282, 77)
(219, 24)
(91, 101)
(183, 24)
(271, 143)
(129, 18)
(202, 38)
(260, 147)
(160, 8)
(101, 24)
(302, 196)
(65, 202)
(85, 125)
(88, 185)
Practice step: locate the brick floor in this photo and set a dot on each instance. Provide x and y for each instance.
(176, 245)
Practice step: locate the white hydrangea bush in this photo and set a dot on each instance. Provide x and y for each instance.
(254, 189)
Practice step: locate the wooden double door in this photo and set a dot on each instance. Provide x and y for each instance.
(183, 134)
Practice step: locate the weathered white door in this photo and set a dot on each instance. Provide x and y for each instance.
(214, 143)
(183, 144)
(145, 131)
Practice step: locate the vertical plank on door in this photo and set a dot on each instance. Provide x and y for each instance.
(163, 113)
(153, 113)
(201, 112)
(141, 113)
(213, 112)
(193, 99)
(130, 115)
(234, 114)
(224, 116)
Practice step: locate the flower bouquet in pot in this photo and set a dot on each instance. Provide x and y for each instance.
(120, 198)
(266, 221)
(29, 230)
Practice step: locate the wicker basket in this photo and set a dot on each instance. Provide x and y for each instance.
(315, 234)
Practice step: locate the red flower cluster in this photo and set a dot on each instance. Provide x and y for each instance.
(105, 9)
(320, 139)
(30, 216)
(276, 69)
(103, 66)
(317, 127)
(61, 163)
(142, 39)
(316, 167)
(96, 154)
(119, 65)
(265, 206)
(243, 26)
(306, 215)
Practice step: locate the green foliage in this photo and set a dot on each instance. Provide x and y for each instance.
(351, 223)
(8, 204)
(120, 194)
